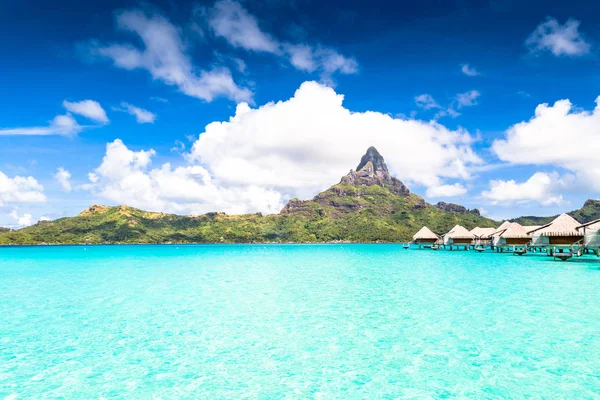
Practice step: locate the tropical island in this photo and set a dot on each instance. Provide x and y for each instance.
(368, 205)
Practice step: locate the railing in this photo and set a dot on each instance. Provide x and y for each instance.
(578, 247)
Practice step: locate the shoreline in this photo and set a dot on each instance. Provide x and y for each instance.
(189, 244)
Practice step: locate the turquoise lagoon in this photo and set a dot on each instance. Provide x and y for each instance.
(295, 321)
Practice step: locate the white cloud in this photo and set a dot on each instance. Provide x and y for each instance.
(166, 57)
(561, 40)
(60, 125)
(22, 220)
(469, 70)
(64, 125)
(44, 218)
(303, 145)
(88, 108)
(326, 60)
(262, 157)
(446, 190)
(178, 146)
(302, 57)
(125, 177)
(20, 190)
(141, 116)
(229, 20)
(62, 176)
(426, 102)
(467, 99)
(557, 135)
(540, 187)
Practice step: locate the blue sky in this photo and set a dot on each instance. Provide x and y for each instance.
(150, 100)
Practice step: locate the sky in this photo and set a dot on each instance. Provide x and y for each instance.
(238, 106)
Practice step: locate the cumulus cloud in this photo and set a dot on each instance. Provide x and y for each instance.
(557, 135)
(446, 190)
(20, 190)
(165, 56)
(560, 40)
(60, 125)
(469, 70)
(63, 177)
(87, 108)
(262, 157)
(304, 144)
(125, 177)
(541, 187)
(141, 116)
(22, 220)
(230, 20)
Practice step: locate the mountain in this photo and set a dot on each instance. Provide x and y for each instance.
(589, 212)
(367, 205)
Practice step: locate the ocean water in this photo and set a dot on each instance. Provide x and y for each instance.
(295, 321)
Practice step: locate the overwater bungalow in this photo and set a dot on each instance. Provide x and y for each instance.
(425, 237)
(495, 237)
(457, 237)
(591, 234)
(559, 235)
(514, 236)
(483, 236)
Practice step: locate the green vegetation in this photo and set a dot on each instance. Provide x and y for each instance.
(344, 212)
(368, 205)
(589, 212)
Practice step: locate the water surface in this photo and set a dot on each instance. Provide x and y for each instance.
(295, 321)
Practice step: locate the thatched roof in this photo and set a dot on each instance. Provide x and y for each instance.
(515, 231)
(483, 232)
(501, 228)
(460, 232)
(425, 233)
(563, 225)
(530, 228)
(591, 226)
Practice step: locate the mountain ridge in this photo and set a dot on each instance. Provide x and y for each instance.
(589, 212)
(367, 205)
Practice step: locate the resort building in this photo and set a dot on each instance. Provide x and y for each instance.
(425, 237)
(458, 236)
(483, 236)
(495, 237)
(514, 236)
(558, 235)
(591, 234)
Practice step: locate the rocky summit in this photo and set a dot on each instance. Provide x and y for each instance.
(455, 208)
(372, 170)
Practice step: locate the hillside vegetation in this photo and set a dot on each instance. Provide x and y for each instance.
(368, 205)
(589, 212)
